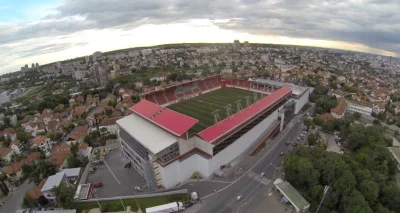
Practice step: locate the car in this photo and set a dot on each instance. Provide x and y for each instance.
(281, 154)
(302, 135)
(98, 184)
(287, 142)
(238, 198)
(298, 121)
(137, 188)
(188, 204)
(262, 174)
(298, 138)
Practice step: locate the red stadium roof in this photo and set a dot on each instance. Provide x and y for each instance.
(174, 122)
(220, 129)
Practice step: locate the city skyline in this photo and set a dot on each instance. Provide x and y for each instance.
(42, 31)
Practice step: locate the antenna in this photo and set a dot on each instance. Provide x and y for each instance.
(228, 110)
(216, 116)
(239, 105)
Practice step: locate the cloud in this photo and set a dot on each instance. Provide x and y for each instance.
(373, 23)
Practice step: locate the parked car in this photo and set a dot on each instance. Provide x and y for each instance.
(188, 204)
(262, 174)
(98, 184)
(281, 154)
(238, 198)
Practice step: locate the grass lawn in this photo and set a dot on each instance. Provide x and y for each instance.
(116, 205)
(202, 106)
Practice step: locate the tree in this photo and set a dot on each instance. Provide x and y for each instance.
(42, 169)
(22, 135)
(354, 203)
(370, 190)
(308, 122)
(65, 196)
(357, 115)
(312, 140)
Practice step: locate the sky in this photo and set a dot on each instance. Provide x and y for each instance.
(45, 31)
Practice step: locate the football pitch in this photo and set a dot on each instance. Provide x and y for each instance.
(202, 106)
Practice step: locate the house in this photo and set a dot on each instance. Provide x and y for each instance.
(47, 115)
(379, 108)
(6, 153)
(85, 150)
(77, 135)
(35, 192)
(10, 133)
(108, 126)
(60, 155)
(52, 182)
(32, 158)
(363, 108)
(79, 110)
(32, 128)
(340, 109)
(15, 146)
(53, 126)
(42, 142)
(14, 171)
(396, 106)
(72, 174)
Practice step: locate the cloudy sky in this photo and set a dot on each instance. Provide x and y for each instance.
(43, 31)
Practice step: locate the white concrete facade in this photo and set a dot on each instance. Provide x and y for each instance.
(355, 107)
(181, 171)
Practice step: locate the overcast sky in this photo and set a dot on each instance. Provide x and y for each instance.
(43, 31)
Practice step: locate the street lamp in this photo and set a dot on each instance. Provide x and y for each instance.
(241, 206)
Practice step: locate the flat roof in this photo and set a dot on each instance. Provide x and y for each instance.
(161, 207)
(296, 89)
(292, 194)
(396, 153)
(53, 181)
(73, 172)
(150, 136)
(223, 127)
(171, 121)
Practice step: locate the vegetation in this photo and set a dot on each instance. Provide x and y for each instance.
(323, 101)
(65, 196)
(201, 107)
(363, 181)
(74, 160)
(39, 171)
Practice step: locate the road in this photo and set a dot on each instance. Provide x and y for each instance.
(15, 201)
(250, 185)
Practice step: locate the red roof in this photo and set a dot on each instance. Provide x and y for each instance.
(220, 129)
(174, 122)
(146, 108)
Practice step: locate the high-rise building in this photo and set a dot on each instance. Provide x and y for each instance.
(246, 44)
(99, 74)
(236, 44)
(37, 65)
(96, 55)
(33, 66)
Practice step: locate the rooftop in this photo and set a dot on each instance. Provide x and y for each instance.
(292, 195)
(296, 89)
(221, 128)
(73, 172)
(153, 138)
(53, 181)
(171, 121)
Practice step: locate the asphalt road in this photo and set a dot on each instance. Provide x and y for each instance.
(250, 185)
(14, 203)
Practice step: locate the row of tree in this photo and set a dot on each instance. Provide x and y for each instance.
(363, 181)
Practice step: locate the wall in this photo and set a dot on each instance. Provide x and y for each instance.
(241, 145)
(302, 101)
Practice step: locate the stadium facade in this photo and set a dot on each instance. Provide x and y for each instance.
(157, 142)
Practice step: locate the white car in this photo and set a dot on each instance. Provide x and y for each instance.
(238, 198)
(262, 174)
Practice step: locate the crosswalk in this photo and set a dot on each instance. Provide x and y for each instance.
(257, 177)
(193, 209)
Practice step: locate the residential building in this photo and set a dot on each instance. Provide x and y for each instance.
(6, 153)
(10, 134)
(15, 146)
(339, 111)
(379, 108)
(108, 126)
(52, 182)
(13, 120)
(72, 174)
(14, 171)
(85, 150)
(42, 142)
(236, 44)
(59, 156)
(35, 192)
(77, 135)
(99, 74)
(33, 158)
(362, 108)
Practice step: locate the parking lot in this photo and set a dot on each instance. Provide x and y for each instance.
(116, 180)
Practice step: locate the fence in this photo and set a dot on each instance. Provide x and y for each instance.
(182, 191)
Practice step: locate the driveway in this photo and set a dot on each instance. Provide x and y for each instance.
(14, 203)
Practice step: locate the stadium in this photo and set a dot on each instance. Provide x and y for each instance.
(202, 125)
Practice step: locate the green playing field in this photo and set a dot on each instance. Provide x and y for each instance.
(202, 106)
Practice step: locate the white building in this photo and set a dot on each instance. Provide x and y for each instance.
(53, 181)
(79, 75)
(165, 157)
(42, 142)
(358, 107)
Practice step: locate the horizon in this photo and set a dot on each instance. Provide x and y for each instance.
(44, 31)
